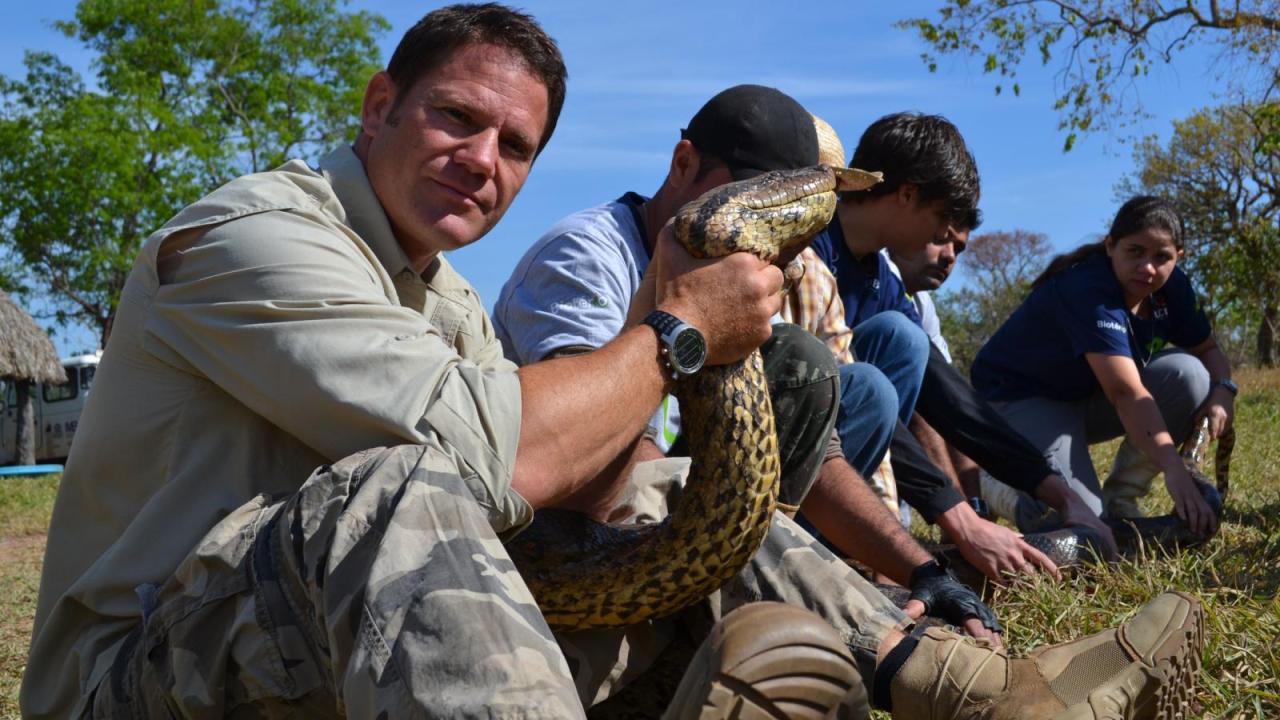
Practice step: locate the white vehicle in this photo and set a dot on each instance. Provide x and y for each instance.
(57, 410)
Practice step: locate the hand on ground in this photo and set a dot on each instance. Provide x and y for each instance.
(1188, 503)
(997, 551)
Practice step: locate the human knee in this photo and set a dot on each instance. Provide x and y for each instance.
(865, 391)
(1179, 373)
(793, 357)
(1180, 384)
(898, 331)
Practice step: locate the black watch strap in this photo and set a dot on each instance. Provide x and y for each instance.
(681, 345)
(664, 322)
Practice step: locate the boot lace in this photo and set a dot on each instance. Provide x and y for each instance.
(973, 678)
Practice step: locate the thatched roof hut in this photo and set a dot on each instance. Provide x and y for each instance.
(26, 353)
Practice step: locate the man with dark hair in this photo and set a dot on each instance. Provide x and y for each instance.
(438, 35)
(589, 278)
(964, 434)
(929, 196)
(585, 280)
(306, 318)
(300, 319)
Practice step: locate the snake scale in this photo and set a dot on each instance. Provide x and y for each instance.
(586, 574)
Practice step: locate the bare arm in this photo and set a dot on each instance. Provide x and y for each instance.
(935, 447)
(1140, 416)
(580, 413)
(1220, 406)
(559, 453)
(967, 472)
(847, 512)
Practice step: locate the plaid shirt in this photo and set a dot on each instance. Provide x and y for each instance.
(814, 304)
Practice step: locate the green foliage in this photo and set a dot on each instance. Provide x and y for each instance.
(1000, 267)
(1221, 169)
(187, 95)
(1102, 48)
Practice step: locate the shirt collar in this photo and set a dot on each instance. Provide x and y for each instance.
(347, 177)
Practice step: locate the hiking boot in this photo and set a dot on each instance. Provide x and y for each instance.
(1146, 668)
(1130, 479)
(768, 660)
(1016, 506)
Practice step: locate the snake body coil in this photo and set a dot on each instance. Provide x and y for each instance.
(586, 574)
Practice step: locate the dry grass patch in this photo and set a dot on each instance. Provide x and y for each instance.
(25, 506)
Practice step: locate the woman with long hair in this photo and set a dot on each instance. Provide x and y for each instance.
(1110, 341)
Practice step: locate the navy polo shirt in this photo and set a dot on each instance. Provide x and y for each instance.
(867, 286)
(1039, 351)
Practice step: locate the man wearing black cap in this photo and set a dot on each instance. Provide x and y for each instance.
(573, 290)
(584, 282)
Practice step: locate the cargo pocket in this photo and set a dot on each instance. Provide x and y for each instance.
(211, 642)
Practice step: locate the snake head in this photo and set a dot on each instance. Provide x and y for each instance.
(852, 179)
(770, 215)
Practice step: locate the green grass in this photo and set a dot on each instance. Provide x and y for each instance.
(25, 505)
(1237, 576)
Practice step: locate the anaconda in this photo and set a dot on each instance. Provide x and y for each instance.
(586, 574)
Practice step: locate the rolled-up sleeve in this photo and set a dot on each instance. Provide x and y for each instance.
(292, 319)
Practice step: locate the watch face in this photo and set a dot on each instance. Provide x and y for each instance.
(688, 351)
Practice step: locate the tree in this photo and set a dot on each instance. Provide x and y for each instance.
(1224, 177)
(1000, 267)
(187, 95)
(1102, 47)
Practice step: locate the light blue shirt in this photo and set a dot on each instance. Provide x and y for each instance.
(571, 290)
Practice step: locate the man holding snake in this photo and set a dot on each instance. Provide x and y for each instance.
(303, 318)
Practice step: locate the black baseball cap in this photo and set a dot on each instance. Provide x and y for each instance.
(754, 129)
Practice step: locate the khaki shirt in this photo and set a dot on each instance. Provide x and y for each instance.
(271, 327)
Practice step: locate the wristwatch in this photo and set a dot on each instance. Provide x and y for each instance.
(1230, 385)
(980, 507)
(681, 345)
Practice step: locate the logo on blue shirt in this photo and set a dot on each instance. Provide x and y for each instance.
(1111, 325)
(1161, 307)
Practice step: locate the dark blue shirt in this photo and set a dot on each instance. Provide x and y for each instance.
(1039, 351)
(867, 286)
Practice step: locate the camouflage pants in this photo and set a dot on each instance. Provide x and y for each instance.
(380, 589)
(804, 389)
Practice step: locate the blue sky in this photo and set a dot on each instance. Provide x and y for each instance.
(639, 70)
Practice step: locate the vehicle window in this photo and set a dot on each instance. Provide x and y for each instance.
(62, 391)
(8, 394)
(86, 376)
